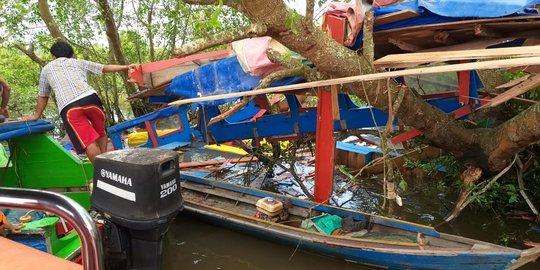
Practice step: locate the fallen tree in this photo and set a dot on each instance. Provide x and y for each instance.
(491, 149)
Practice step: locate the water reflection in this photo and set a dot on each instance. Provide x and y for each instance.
(192, 244)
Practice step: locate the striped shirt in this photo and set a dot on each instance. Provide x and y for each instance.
(67, 77)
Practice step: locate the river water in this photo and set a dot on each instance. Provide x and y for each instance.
(193, 244)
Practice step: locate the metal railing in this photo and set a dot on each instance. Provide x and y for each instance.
(66, 208)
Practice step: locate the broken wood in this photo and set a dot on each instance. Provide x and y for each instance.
(515, 91)
(443, 37)
(513, 82)
(404, 45)
(483, 31)
(493, 64)
(419, 58)
(396, 16)
(194, 164)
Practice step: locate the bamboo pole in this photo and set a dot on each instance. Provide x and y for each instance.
(495, 64)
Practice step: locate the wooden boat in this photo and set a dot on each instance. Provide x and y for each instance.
(387, 243)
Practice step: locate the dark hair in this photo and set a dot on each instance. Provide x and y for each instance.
(61, 49)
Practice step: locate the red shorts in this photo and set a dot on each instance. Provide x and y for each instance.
(84, 120)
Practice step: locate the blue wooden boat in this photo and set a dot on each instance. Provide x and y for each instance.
(385, 242)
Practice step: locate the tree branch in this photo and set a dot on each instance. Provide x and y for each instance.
(254, 30)
(310, 7)
(48, 19)
(293, 63)
(263, 84)
(367, 48)
(30, 53)
(236, 4)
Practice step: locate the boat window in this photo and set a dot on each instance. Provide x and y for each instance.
(167, 125)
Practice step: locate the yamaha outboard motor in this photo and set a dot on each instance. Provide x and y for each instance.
(137, 194)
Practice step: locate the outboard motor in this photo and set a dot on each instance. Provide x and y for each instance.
(137, 191)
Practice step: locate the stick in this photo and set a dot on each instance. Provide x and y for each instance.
(495, 64)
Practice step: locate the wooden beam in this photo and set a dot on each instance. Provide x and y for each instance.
(394, 17)
(483, 31)
(444, 37)
(194, 164)
(454, 25)
(404, 45)
(515, 91)
(523, 101)
(513, 82)
(493, 64)
(414, 59)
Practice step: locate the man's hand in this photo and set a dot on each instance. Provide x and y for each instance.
(4, 112)
(14, 228)
(29, 118)
(132, 66)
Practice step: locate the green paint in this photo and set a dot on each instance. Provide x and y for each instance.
(40, 162)
(63, 247)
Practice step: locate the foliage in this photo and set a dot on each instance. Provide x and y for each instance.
(292, 20)
(446, 163)
(149, 30)
(22, 75)
(512, 108)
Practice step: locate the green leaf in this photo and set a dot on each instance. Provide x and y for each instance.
(403, 185)
(292, 20)
(345, 172)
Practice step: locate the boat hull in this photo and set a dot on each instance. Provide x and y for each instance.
(379, 255)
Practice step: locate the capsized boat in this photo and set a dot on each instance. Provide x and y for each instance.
(367, 239)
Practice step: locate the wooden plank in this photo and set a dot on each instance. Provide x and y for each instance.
(515, 91)
(404, 45)
(163, 76)
(484, 31)
(394, 17)
(513, 82)
(493, 64)
(418, 58)
(156, 91)
(194, 164)
(474, 45)
(454, 25)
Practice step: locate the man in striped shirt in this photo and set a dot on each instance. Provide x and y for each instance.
(79, 106)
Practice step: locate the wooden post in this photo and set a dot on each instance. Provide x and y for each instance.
(324, 148)
(464, 85)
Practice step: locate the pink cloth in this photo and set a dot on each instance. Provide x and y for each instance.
(251, 54)
(353, 13)
(382, 3)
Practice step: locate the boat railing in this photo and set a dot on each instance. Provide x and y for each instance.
(66, 208)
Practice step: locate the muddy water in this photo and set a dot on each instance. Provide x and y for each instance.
(192, 244)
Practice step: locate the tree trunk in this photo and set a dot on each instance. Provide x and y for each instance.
(48, 19)
(115, 45)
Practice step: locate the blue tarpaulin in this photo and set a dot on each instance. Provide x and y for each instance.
(18, 129)
(445, 11)
(220, 77)
(477, 8)
(463, 8)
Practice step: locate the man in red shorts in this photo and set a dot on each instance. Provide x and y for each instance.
(79, 106)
